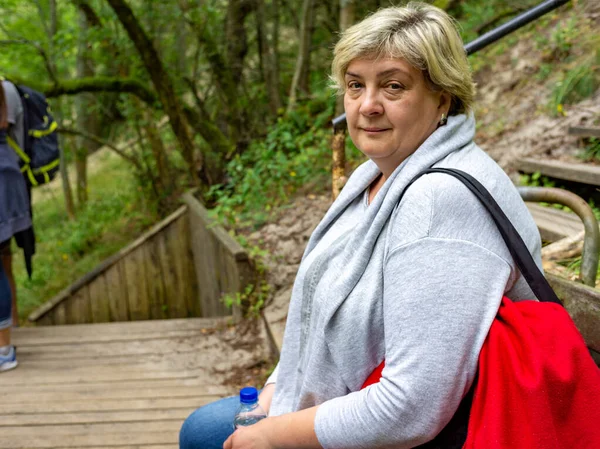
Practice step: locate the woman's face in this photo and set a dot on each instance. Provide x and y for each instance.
(390, 110)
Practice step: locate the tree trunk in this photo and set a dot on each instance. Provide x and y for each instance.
(160, 154)
(85, 120)
(236, 36)
(66, 184)
(64, 172)
(338, 178)
(266, 54)
(303, 50)
(275, 47)
(304, 81)
(161, 81)
(237, 48)
(338, 146)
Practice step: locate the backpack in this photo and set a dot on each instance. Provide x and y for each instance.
(39, 160)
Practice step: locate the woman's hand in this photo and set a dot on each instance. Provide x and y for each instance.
(289, 431)
(251, 437)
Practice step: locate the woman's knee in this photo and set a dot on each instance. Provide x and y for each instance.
(208, 427)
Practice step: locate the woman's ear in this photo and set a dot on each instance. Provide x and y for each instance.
(444, 103)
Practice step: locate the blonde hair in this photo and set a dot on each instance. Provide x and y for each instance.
(423, 35)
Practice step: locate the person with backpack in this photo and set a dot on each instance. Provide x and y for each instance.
(16, 132)
(15, 212)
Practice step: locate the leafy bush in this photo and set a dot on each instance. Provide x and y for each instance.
(296, 151)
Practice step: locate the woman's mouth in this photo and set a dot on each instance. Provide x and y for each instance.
(374, 130)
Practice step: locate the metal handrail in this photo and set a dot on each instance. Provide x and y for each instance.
(591, 240)
(491, 37)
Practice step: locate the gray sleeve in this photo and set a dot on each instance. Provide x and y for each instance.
(436, 317)
(14, 109)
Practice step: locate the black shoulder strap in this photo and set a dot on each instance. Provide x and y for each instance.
(534, 277)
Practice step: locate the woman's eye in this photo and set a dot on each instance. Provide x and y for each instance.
(354, 85)
(395, 86)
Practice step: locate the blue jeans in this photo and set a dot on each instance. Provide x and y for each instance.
(5, 301)
(210, 425)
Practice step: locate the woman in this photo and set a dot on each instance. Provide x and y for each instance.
(415, 282)
(15, 214)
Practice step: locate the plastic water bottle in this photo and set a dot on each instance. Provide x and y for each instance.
(249, 412)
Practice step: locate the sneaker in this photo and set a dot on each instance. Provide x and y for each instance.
(8, 361)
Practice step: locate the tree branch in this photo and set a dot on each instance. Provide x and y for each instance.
(94, 84)
(102, 142)
(90, 15)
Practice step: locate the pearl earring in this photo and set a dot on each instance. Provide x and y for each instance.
(443, 120)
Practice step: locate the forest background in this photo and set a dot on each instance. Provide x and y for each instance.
(230, 97)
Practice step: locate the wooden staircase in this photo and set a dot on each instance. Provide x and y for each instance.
(117, 385)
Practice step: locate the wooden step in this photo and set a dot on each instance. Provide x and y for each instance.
(584, 131)
(554, 224)
(120, 385)
(583, 173)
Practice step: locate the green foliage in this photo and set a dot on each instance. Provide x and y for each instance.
(295, 151)
(536, 179)
(574, 85)
(591, 151)
(255, 295)
(251, 300)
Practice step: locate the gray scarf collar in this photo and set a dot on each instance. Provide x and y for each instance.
(455, 135)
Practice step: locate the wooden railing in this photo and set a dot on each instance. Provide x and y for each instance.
(182, 267)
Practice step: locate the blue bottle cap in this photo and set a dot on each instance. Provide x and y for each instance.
(248, 395)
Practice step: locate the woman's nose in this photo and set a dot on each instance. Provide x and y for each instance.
(371, 104)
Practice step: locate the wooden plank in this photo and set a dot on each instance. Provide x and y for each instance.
(105, 392)
(215, 287)
(191, 283)
(583, 304)
(155, 283)
(82, 312)
(231, 282)
(583, 173)
(554, 224)
(9, 379)
(139, 255)
(134, 287)
(117, 293)
(137, 327)
(104, 339)
(111, 351)
(177, 301)
(109, 439)
(190, 401)
(95, 422)
(217, 230)
(146, 446)
(584, 131)
(204, 265)
(99, 300)
(46, 320)
(42, 360)
(60, 314)
(72, 310)
(196, 233)
(164, 263)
